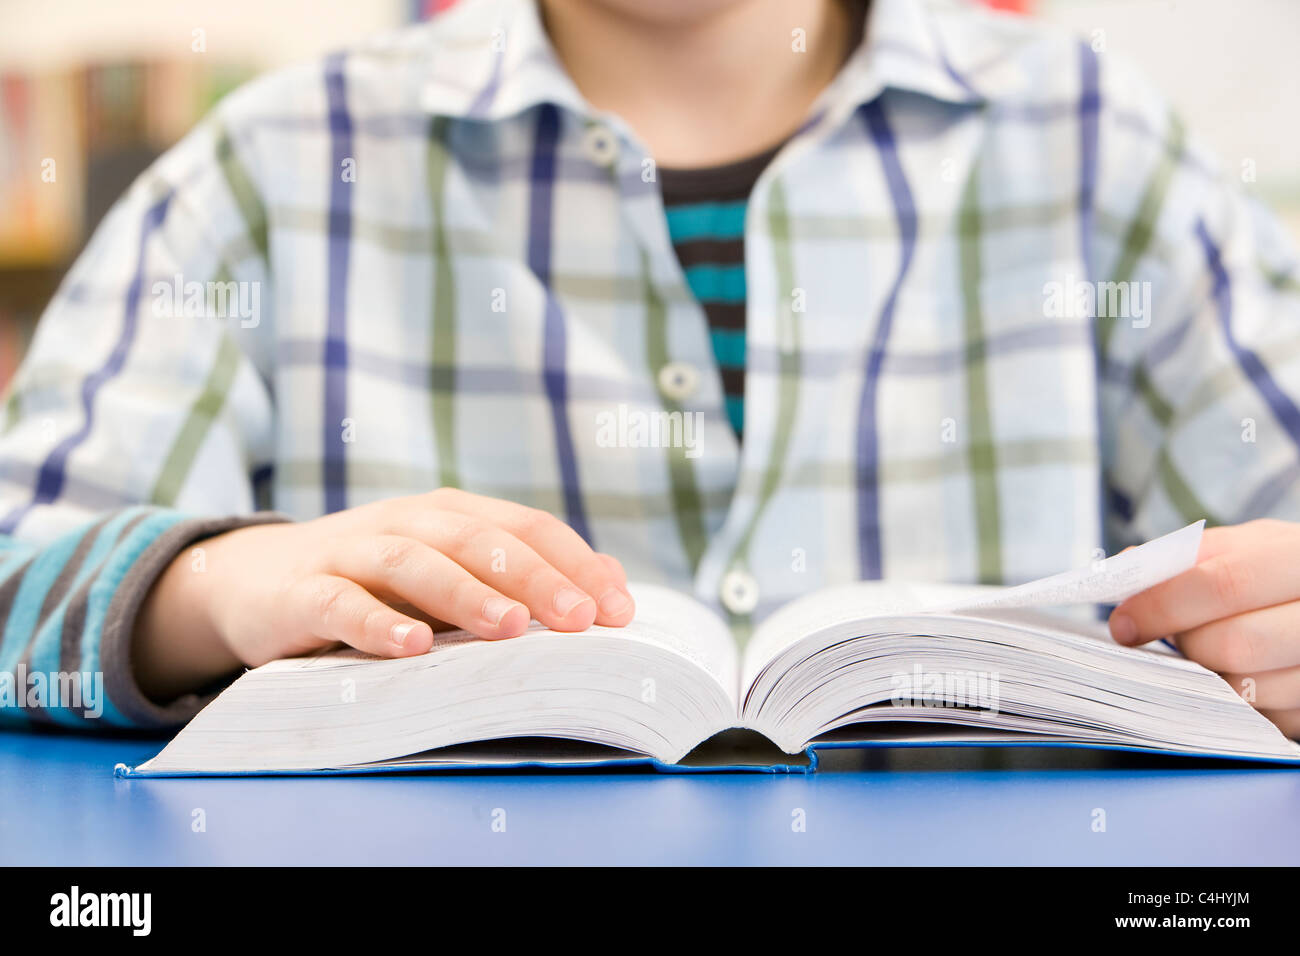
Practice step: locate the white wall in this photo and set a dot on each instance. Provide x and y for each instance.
(1231, 68)
(45, 33)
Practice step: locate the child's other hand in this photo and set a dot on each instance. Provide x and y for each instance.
(380, 578)
(1237, 612)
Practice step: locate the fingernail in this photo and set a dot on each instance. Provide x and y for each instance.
(496, 608)
(1123, 629)
(401, 632)
(614, 602)
(566, 599)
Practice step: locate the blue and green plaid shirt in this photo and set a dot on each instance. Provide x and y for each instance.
(1001, 312)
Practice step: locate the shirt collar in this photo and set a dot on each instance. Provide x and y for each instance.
(495, 60)
(903, 49)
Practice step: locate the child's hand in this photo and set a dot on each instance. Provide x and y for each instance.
(379, 577)
(1237, 612)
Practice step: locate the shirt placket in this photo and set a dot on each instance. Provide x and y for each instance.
(682, 367)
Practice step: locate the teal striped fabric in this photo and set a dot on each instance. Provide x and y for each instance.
(705, 209)
(65, 655)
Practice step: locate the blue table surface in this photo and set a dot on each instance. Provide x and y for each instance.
(61, 804)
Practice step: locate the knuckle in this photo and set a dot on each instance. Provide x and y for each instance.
(326, 599)
(1237, 651)
(533, 521)
(373, 620)
(443, 496)
(1231, 582)
(396, 506)
(392, 554)
(538, 576)
(466, 594)
(464, 533)
(390, 515)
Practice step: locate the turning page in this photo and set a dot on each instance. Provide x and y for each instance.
(1104, 582)
(1109, 581)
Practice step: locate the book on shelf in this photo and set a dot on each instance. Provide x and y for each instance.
(73, 139)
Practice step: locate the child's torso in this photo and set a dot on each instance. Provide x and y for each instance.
(500, 308)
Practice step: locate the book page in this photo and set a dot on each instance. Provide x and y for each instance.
(664, 617)
(1108, 581)
(846, 603)
(681, 623)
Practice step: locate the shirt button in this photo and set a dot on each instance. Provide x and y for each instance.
(600, 145)
(739, 592)
(678, 380)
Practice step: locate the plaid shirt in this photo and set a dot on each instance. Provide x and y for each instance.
(464, 277)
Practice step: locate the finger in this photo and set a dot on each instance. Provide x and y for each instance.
(494, 555)
(1217, 541)
(1271, 690)
(559, 545)
(1262, 640)
(1288, 721)
(617, 606)
(1253, 572)
(414, 573)
(615, 566)
(335, 609)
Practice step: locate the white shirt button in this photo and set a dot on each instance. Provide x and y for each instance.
(678, 381)
(600, 145)
(739, 591)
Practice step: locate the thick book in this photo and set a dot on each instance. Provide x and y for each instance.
(864, 665)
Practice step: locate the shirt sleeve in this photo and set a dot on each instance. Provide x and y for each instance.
(139, 422)
(1200, 374)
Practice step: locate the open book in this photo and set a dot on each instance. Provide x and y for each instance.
(869, 664)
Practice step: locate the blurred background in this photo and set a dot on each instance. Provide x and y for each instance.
(104, 87)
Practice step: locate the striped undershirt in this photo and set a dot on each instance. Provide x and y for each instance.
(706, 222)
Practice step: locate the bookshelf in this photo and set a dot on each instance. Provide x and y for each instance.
(73, 140)
(103, 88)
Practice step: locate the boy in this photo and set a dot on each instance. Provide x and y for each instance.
(757, 295)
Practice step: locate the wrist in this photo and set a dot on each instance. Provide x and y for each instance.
(177, 646)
